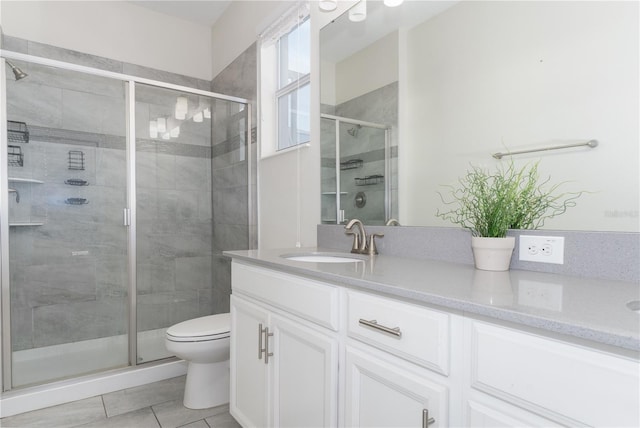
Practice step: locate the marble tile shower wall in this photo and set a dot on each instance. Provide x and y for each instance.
(58, 297)
(365, 143)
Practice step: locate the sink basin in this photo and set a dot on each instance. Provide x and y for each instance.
(634, 305)
(325, 257)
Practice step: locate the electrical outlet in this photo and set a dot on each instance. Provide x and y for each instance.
(542, 249)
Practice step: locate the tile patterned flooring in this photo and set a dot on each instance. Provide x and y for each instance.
(157, 405)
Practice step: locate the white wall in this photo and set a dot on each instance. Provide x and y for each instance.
(114, 29)
(369, 69)
(491, 76)
(239, 27)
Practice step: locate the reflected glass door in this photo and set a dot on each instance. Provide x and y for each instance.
(356, 185)
(67, 242)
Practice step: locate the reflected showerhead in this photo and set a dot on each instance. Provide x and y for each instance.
(354, 131)
(17, 72)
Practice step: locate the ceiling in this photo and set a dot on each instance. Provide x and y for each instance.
(200, 12)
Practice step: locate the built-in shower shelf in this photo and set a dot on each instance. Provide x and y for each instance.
(25, 224)
(333, 193)
(351, 164)
(25, 180)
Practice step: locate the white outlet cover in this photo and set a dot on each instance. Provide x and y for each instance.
(541, 249)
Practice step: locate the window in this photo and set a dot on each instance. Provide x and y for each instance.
(293, 87)
(284, 82)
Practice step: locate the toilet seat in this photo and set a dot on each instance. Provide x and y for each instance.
(212, 327)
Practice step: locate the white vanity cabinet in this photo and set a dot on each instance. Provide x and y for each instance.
(284, 367)
(407, 364)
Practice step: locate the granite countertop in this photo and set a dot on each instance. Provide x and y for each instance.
(584, 308)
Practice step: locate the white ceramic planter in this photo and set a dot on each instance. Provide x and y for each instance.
(492, 253)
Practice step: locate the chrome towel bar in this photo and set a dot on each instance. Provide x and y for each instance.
(590, 143)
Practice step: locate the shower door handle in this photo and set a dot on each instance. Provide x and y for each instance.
(126, 217)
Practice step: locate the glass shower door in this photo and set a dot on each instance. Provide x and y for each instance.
(174, 231)
(67, 242)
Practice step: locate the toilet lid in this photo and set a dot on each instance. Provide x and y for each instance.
(211, 327)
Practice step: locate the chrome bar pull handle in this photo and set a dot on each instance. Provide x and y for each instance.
(260, 348)
(426, 420)
(395, 331)
(267, 354)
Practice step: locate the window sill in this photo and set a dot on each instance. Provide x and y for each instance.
(287, 150)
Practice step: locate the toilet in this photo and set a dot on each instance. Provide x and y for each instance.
(204, 344)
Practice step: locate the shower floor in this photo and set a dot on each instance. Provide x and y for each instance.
(39, 365)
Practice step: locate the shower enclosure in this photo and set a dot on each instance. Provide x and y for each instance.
(356, 171)
(106, 218)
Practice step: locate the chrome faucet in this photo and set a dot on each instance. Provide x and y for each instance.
(392, 222)
(362, 244)
(17, 195)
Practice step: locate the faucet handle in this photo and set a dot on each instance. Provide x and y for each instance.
(371, 248)
(355, 248)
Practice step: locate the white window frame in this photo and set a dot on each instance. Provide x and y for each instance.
(269, 68)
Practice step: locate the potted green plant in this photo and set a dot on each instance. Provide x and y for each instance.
(490, 203)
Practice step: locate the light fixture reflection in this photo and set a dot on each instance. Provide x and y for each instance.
(198, 117)
(153, 129)
(207, 113)
(182, 107)
(328, 5)
(175, 132)
(358, 13)
(393, 3)
(162, 124)
(166, 136)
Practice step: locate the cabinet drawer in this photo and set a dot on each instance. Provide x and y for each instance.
(423, 334)
(564, 382)
(310, 300)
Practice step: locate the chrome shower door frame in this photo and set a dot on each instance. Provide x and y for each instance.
(387, 160)
(129, 212)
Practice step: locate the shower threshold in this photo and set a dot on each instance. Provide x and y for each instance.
(49, 363)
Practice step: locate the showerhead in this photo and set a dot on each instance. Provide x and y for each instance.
(354, 131)
(17, 72)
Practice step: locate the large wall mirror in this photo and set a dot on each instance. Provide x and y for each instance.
(421, 91)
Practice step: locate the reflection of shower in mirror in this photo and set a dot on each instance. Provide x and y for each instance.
(354, 131)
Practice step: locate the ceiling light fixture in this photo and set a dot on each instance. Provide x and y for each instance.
(207, 113)
(393, 3)
(328, 5)
(197, 117)
(175, 132)
(358, 13)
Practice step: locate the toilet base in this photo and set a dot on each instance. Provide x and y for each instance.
(207, 385)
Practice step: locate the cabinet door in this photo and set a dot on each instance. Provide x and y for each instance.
(502, 415)
(380, 394)
(305, 374)
(248, 398)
